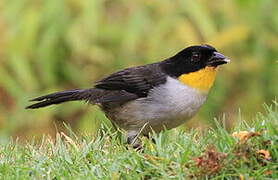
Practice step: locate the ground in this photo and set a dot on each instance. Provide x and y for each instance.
(250, 151)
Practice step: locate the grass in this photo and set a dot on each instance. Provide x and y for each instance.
(209, 154)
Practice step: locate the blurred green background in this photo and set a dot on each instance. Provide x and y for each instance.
(52, 45)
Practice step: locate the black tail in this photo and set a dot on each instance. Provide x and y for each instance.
(60, 97)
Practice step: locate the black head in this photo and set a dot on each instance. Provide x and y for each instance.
(192, 59)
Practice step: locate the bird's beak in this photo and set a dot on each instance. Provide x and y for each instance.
(218, 59)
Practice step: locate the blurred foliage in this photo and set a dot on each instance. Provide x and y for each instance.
(53, 45)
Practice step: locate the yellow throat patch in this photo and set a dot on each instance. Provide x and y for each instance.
(201, 80)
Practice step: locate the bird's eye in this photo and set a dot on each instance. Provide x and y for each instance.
(195, 57)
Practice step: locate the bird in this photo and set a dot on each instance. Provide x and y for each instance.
(152, 97)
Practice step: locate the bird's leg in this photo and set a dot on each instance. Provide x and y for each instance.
(132, 139)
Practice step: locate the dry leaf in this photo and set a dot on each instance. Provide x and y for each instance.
(210, 162)
(264, 153)
(243, 136)
(268, 172)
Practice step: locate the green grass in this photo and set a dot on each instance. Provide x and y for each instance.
(213, 153)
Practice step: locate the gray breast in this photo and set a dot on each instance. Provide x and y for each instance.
(166, 106)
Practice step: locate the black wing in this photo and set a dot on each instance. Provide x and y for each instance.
(120, 87)
(137, 80)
